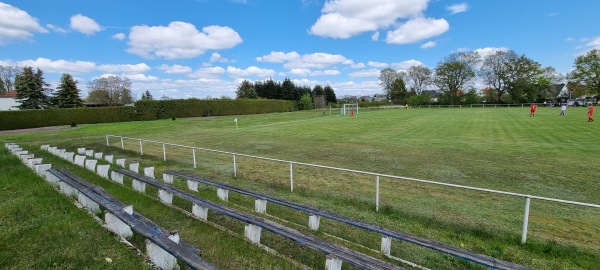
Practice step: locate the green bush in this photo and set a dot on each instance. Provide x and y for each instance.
(143, 110)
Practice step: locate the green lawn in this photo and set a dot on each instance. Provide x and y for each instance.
(495, 148)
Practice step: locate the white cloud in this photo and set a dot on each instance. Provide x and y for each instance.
(250, 71)
(590, 44)
(215, 57)
(307, 72)
(56, 29)
(293, 60)
(140, 77)
(119, 36)
(429, 44)
(483, 52)
(405, 65)
(127, 68)
(207, 73)
(179, 40)
(84, 24)
(458, 8)
(370, 73)
(377, 64)
(346, 18)
(175, 69)
(16, 24)
(57, 66)
(279, 57)
(375, 37)
(358, 65)
(417, 29)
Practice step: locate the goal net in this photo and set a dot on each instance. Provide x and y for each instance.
(349, 109)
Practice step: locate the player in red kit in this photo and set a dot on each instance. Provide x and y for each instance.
(591, 113)
(532, 110)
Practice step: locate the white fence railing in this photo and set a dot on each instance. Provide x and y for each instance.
(527, 197)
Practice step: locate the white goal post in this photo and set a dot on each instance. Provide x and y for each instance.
(348, 107)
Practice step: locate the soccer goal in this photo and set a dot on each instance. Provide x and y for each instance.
(350, 109)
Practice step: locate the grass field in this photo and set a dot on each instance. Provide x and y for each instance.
(495, 148)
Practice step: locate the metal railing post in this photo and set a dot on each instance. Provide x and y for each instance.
(141, 149)
(194, 156)
(234, 167)
(377, 195)
(291, 178)
(525, 220)
(164, 153)
(122, 145)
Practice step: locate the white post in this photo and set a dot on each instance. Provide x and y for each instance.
(122, 145)
(333, 263)
(107, 140)
(377, 195)
(200, 212)
(252, 233)
(164, 153)
(141, 149)
(386, 245)
(234, 167)
(194, 156)
(313, 222)
(291, 178)
(525, 220)
(260, 206)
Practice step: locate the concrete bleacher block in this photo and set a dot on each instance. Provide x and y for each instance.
(109, 158)
(386, 245)
(313, 222)
(223, 194)
(160, 257)
(167, 178)
(138, 185)
(134, 167)
(24, 158)
(81, 151)
(149, 171)
(51, 149)
(98, 155)
(260, 206)
(67, 189)
(89, 152)
(44, 147)
(33, 161)
(52, 179)
(117, 226)
(69, 156)
(102, 170)
(59, 152)
(252, 233)
(200, 211)
(20, 152)
(8, 144)
(121, 162)
(79, 160)
(333, 263)
(41, 169)
(116, 177)
(165, 196)
(192, 185)
(15, 150)
(90, 164)
(89, 204)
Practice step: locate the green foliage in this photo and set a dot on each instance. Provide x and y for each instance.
(147, 95)
(68, 94)
(111, 90)
(422, 99)
(285, 90)
(305, 102)
(587, 71)
(329, 95)
(56, 117)
(398, 93)
(455, 73)
(387, 76)
(32, 89)
(246, 90)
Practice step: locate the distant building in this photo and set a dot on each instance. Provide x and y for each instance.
(8, 101)
(380, 97)
(433, 94)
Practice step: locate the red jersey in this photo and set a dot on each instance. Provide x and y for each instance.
(591, 111)
(533, 107)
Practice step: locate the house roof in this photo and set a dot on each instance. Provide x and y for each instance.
(11, 94)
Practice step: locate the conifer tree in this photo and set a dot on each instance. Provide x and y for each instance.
(68, 96)
(32, 89)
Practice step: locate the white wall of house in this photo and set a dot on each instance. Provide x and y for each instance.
(8, 103)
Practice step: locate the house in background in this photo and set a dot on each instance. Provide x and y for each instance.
(8, 101)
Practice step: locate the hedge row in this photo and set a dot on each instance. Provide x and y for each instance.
(143, 110)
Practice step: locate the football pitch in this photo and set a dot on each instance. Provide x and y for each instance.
(492, 148)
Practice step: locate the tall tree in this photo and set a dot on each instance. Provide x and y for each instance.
(494, 71)
(32, 90)
(68, 96)
(111, 90)
(455, 73)
(524, 79)
(147, 95)
(399, 94)
(418, 78)
(387, 76)
(246, 90)
(587, 71)
(329, 94)
(7, 78)
(289, 90)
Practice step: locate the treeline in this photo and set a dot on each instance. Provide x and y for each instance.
(142, 110)
(287, 90)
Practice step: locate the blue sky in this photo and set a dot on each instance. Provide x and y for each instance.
(200, 48)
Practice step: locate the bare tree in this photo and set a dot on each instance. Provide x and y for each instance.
(112, 90)
(7, 78)
(418, 78)
(387, 77)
